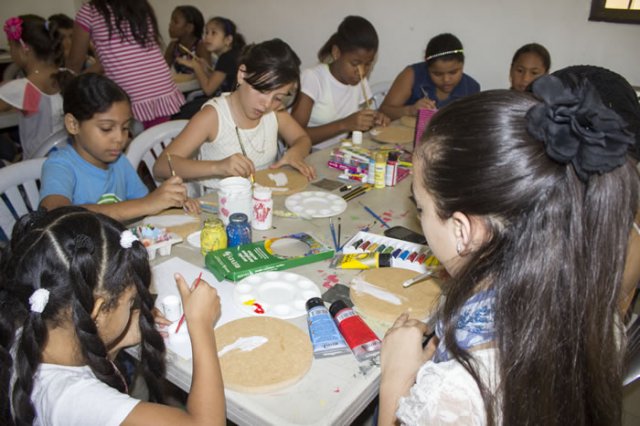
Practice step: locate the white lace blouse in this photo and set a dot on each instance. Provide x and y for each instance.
(446, 394)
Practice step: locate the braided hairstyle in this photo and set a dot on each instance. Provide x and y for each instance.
(75, 255)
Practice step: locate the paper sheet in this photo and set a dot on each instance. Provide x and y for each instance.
(163, 282)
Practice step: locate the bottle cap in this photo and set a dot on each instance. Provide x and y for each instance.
(336, 307)
(313, 302)
(238, 218)
(384, 260)
(261, 192)
(393, 156)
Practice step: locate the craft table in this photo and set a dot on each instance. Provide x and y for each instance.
(335, 390)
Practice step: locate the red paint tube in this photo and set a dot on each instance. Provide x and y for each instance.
(361, 339)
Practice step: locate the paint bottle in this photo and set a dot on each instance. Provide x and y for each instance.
(238, 230)
(379, 170)
(361, 261)
(325, 337)
(391, 173)
(262, 208)
(371, 171)
(361, 339)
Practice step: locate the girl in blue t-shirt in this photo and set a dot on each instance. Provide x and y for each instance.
(92, 171)
(431, 84)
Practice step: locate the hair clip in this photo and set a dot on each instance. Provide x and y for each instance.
(38, 300)
(448, 52)
(13, 29)
(127, 238)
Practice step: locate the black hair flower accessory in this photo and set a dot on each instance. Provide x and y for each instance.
(577, 128)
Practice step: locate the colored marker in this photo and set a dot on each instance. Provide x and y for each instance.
(357, 243)
(396, 253)
(365, 245)
(404, 254)
(413, 256)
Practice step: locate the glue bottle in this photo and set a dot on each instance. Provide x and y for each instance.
(361, 339)
(379, 170)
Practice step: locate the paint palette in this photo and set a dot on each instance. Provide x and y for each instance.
(278, 294)
(315, 204)
(416, 257)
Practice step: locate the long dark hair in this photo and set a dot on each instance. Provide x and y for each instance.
(45, 40)
(554, 257)
(354, 32)
(137, 13)
(91, 93)
(536, 49)
(193, 16)
(444, 46)
(229, 28)
(270, 65)
(74, 254)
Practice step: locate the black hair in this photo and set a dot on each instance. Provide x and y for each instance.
(46, 42)
(60, 20)
(444, 46)
(229, 28)
(536, 49)
(91, 93)
(74, 254)
(137, 13)
(193, 16)
(554, 258)
(270, 65)
(354, 32)
(615, 91)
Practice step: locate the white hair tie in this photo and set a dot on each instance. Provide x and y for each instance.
(38, 300)
(127, 238)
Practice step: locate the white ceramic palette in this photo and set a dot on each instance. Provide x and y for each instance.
(316, 204)
(278, 294)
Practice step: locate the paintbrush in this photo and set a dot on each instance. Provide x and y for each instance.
(193, 55)
(173, 172)
(375, 216)
(364, 89)
(251, 178)
(418, 278)
(183, 317)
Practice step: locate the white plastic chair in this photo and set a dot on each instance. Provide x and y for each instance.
(55, 140)
(379, 91)
(148, 145)
(20, 191)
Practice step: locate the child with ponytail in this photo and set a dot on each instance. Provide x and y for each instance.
(74, 291)
(36, 47)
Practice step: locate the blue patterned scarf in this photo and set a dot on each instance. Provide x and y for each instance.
(475, 325)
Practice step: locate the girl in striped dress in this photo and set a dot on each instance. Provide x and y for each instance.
(126, 38)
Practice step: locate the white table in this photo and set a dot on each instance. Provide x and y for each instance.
(335, 390)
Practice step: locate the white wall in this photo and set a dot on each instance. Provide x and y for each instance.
(491, 30)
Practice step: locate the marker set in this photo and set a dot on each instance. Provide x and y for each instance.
(404, 254)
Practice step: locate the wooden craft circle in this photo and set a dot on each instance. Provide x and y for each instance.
(409, 121)
(296, 182)
(392, 134)
(184, 229)
(420, 299)
(280, 362)
(182, 78)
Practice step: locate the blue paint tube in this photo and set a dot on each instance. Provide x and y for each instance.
(325, 337)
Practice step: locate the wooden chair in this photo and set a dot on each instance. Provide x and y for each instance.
(19, 191)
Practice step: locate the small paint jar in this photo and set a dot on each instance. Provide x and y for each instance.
(213, 236)
(361, 339)
(238, 230)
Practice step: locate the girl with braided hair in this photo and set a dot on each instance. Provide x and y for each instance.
(74, 292)
(528, 205)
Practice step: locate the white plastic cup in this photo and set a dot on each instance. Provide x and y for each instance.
(356, 137)
(172, 308)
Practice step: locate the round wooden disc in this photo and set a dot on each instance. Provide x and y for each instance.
(409, 121)
(296, 182)
(184, 225)
(392, 134)
(420, 299)
(280, 362)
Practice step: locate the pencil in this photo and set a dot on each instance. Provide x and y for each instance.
(364, 90)
(182, 317)
(193, 55)
(372, 213)
(243, 151)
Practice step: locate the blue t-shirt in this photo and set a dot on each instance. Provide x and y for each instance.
(66, 173)
(422, 79)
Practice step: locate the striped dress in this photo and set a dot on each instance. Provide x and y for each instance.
(141, 71)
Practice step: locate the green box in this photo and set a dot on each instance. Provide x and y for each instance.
(274, 254)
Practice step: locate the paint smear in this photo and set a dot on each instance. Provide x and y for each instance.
(244, 344)
(363, 286)
(280, 179)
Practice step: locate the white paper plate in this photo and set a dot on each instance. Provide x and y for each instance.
(316, 204)
(279, 294)
(194, 239)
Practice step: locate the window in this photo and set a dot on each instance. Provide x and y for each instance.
(624, 11)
